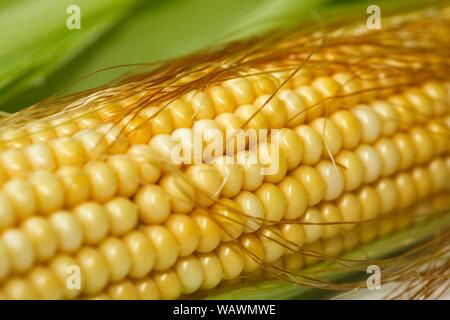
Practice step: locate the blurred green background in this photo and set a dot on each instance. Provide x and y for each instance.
(40, 56)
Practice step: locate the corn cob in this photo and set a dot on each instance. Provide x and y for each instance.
(92, 188)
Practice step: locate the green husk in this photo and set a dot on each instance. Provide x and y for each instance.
(386, 247)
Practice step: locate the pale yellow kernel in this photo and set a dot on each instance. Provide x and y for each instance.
(75, 184)
(228, 215)
(93, 142)
(252, 208)
(368, 232)
(137, 128)
(312, 144)
(330, 134)
(252, 170)
(232, 175)
(190, 274)
(252, 118)
(440, 174)
(312, 182)
(94, 220)
(207, 181)
(201, 104)
(186, 232)
(387, 115)
(187, 148)
(14, 137)
(143, 254)
(153, 204)
(69, 231)
(404, 110)
(222, 99)
(102, 179)
(159, 119)
(68, 151)
(311, 225)
(372, 162)
(421, 103)
(328, 89)
(351, 239)
(370, 202)
(370, 123)
(349, 126)
(407, 193)
(388, 193)
(274, 162)
(333, 177)
(312, 252)
(273, 243)
(22, 197)
(64, 126)
(209, 132)
(253, 251)
(181, 113)
(127, 173)
(291, 144)
(64, 268)
(440, 134)
(274, 202)
(352, 169)
(294, 236)
(406, 149)
(333, 246)
(349, 86)
(124, 290)
(311, 98)
(20, 249)
(114, 137)
(437, 92)
(423, 143)
(117, 256)
(94, 270)
(332, 216)
(149, 166)
(241, 89)
(264, 84)
(212, 270)
(294, 107)
(273, 109)
(45, 284)
(85, 119)
(293, 262)
(181, 192)
(15, 163)
(390, 156)
(123, 215)
(166, 246)
(232, 129)
(168, 284)
(351, 210)
(231, 259)
(43, 237)
(19, 289)
(40, 157)
(147, 289)
(5, 261)
(163, 147)
(210, 232)
(49, 191)
(296, 197)
(423, 181)
(7, 215)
